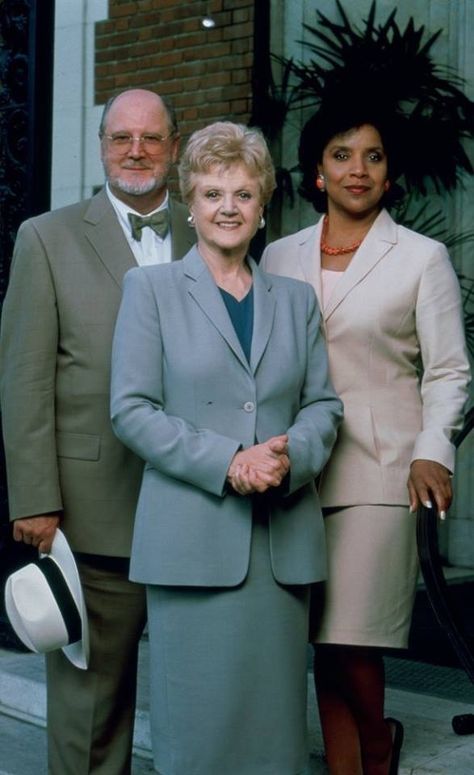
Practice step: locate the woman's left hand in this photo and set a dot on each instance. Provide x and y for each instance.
(430, 481)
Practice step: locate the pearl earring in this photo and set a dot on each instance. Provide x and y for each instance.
(261, 223)
(320, 183)
(190, 220)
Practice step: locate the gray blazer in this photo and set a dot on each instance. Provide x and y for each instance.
(184, 398)
(56, 337)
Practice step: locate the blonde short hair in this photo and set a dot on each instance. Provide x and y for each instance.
(225, 144)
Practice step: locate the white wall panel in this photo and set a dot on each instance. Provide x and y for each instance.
(76, 166)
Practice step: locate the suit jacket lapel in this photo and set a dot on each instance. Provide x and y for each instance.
(264, 312)
(182, 236)
(381, 237)
(309, 257)
(104, 233)
(205, 292)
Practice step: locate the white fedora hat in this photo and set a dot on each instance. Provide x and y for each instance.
(46, 607)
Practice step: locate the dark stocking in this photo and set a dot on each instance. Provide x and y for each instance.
(350, 685)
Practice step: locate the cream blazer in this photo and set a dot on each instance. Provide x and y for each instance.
(397, 353)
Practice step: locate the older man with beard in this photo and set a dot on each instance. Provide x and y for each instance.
(64, 465)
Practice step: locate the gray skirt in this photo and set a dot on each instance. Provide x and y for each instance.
(228, 674)
(372, 574)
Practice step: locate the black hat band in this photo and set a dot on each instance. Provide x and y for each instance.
(64, 599)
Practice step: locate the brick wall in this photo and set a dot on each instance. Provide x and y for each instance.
(161, 45)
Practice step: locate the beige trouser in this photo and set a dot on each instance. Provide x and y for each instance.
(90, 713)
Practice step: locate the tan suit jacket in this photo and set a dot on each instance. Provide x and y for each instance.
(397, 355)
(56, 337)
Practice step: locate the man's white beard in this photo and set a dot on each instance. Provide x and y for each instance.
(135, 189)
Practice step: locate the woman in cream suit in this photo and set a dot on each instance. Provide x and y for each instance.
(220, 383)
(393, 325)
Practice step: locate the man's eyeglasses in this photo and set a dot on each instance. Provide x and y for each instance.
(151, 143)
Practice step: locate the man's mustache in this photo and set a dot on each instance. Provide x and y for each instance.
(133, 166)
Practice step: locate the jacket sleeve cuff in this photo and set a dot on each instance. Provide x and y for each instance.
(430, 445)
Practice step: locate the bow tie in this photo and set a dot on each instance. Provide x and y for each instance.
(159, 222)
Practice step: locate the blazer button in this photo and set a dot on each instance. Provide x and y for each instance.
(249, 406)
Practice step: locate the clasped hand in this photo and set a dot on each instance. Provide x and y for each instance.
(260, 467)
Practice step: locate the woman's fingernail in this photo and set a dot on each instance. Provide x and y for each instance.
(428, 504)
(412, 509)
(442, 515)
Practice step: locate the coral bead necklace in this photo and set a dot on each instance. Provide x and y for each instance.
(328, 250)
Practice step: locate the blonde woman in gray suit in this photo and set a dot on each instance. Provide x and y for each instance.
(393, 325)
(220, 383)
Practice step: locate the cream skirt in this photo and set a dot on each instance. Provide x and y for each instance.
(372, 574)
